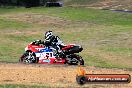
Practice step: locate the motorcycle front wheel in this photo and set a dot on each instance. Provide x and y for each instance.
(28, 57)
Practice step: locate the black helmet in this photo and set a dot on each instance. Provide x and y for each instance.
(48, 34)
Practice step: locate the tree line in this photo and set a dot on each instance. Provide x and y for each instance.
(26, 3)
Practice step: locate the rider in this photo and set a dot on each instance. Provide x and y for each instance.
(55, 42)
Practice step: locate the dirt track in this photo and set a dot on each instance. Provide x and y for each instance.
(53, 75)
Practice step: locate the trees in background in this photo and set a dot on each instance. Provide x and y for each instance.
(29, 3)
(26, 3)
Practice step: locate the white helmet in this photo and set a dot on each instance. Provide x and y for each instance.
(48, 34)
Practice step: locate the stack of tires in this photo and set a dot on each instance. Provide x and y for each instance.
(54, 4)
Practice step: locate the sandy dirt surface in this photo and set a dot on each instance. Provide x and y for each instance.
(53, 75)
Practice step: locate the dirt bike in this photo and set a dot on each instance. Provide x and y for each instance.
(38, 53)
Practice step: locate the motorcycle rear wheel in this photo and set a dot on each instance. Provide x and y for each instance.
(75, 60)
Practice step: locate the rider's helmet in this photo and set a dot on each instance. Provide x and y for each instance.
(48, 34)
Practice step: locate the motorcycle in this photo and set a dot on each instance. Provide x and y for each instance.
(36, 52)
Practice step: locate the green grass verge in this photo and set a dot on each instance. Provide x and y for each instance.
(101, 62)
(22, 86)
(9, 24)
(80, 2)
(81, 14)
(119, 50)
(88, 15)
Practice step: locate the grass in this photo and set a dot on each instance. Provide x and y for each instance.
(88, 15)
(27, 86)
(102, 33)
(9, 24)
(21, 86)
(82, 14)
(118, 50)
(81, 2)
(105, 4)
(99, 62)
